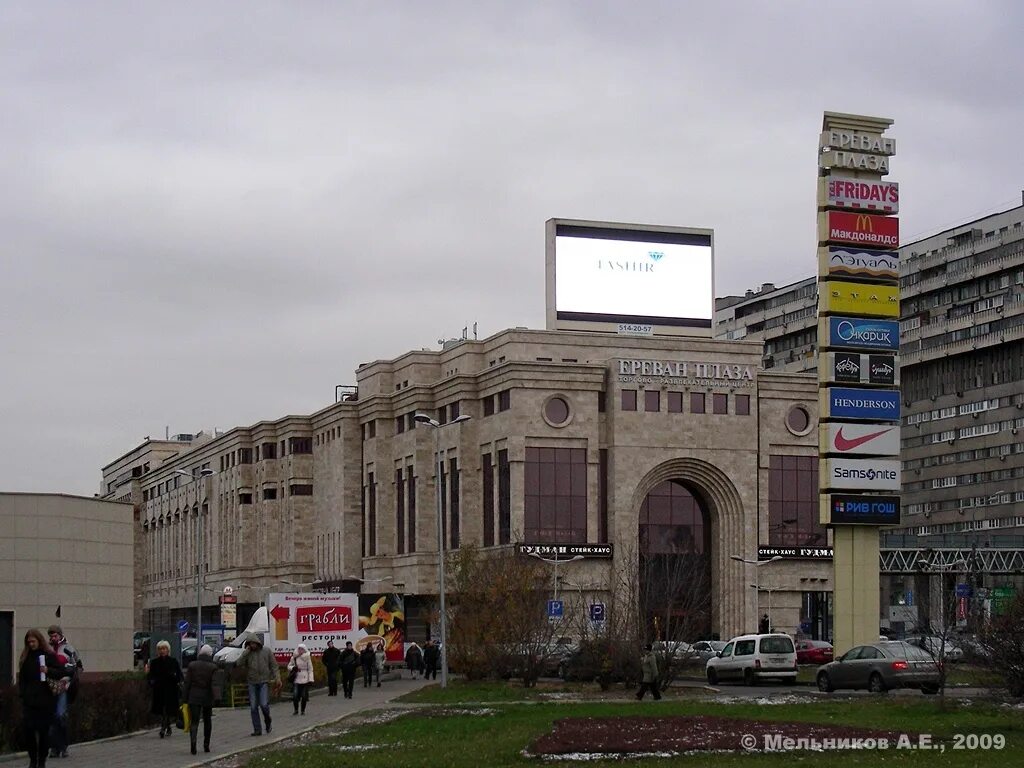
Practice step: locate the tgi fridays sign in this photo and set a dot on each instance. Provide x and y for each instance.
(862, 194)
(685, 373)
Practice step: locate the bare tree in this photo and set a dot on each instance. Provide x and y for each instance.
(1001, 643)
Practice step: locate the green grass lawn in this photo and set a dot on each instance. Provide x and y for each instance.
(457, 735)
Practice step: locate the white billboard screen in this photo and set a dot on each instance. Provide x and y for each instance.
(631, 275)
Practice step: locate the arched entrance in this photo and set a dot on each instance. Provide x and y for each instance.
(674, 531)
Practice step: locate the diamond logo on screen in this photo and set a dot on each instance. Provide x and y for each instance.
(655, 255)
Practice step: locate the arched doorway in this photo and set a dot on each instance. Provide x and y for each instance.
(675, 563)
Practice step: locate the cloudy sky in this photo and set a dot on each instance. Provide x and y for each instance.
(212, 212)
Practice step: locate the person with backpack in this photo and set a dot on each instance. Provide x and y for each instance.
(70, 657)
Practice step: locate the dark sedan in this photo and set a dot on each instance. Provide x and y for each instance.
(879, 667)
(813, 652)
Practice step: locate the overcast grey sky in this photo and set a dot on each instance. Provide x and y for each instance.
(212, 212)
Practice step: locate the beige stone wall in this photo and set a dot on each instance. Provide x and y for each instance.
(74, 552)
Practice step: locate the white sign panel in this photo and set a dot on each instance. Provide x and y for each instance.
(312, 619)
(631, 278)
(862, 439)
(862, 474)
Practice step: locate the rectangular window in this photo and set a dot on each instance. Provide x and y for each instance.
(372, 428)
(362, 511)
(454, 411)
(400, 510)
(629, 399)
(488, 500)
(301, 490)
(442, 414)
(283, 452)
(371, 513)
(602, 491)
(453, 488)
(793, 513)
(300, 445)
(601, 400)
(742, 405)
(269, 451)
(505, 400)
(555, 495)
(720, 403)
(697, 402)
(269, 494)
(400, 425)
(245, 456)
(675, 402)
(410, 421)
(489, 405)
(504, 498)
(411, 509)
(443, 480)
(245, 498)
(652, 400)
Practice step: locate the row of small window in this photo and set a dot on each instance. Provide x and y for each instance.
(270, 494)
(1003, 522)
(168, 485)
(975, 430)
(949, 505)
(267, 451)
(977, 406)
(698, 402)
(978, 454)
(971, 478)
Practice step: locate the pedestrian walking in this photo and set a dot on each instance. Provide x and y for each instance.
(39, 673)
(199, 696)
(261, 673)
(367, 661)
(164, 677)
(649, 669)
(349, 662)
(431, 655)
(379, 658)
(414, 659)
(70, 657)
(332, 662)
(302, 677)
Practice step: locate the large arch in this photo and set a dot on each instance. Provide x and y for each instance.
(728, 533)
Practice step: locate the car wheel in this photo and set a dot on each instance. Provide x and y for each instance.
(748, 677)
(712, 677)
(825, 683)
(876, 684)
(929, 690)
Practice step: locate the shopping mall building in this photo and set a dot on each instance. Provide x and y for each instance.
(651, 445)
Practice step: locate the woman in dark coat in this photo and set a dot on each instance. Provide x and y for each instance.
(199, 695)
(164, 676)
(38, 704)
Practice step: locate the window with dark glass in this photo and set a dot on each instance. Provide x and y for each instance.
(742, 405)
(442, 414)
(793, 514)
(371, 428)
(555, 498)
(652, 400)
(697, 402)
(453, 490)
(245, 498)
(362, 511)
(489, 405)
(371, 513)
(300, 445)
(629, 399)
(399, 425)
(602, 491)
(488, 499)
(556, 410)
(798, 419)
(284, 444)
(441, 476)
(504, 498)
(269, 494)
(410, 420)
(505, 400)
(602, 399)
(245, 456)
(675, 402)
(300, 489)
(269, 450)
(411, 509)
(720, 403)
(454, 411)
(400, 510)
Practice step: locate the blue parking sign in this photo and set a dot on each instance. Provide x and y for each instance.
(556, 609)
(597, 612)
(183, 626)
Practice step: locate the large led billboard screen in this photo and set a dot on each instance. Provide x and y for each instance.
(629, 275)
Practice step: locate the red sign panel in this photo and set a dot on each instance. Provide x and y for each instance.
(878, 196)
(323, 618)
(864, 229)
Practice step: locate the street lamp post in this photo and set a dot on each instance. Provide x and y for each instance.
(555, 562)
(203, 473)
(758, 564)
(423, 418)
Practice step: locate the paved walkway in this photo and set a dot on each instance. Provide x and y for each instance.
(231, 732)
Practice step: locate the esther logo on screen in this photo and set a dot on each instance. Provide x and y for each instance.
(656, 255)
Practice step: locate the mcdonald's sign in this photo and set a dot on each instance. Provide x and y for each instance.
(862, 229)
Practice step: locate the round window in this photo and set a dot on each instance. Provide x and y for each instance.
(556, 411)
(798, 420)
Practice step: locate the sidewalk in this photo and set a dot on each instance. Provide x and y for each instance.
(231, 732)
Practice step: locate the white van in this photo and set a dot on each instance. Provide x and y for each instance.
(257, 627)
(751, 658)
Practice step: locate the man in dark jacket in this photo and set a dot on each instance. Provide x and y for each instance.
(368, 660)
(349, 660)
(431, 654)
(199, 695)
(261, 672)
(332, 660)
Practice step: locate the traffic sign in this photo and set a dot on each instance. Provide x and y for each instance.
(556, 609)
(963, 590)
(597, 612)
(183, 626)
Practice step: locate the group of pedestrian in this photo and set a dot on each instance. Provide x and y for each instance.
(47, 684)
(423, 661)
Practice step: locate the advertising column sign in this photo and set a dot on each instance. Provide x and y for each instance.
(311, 619)
(869, 299)
(862, 509)
(860, 404)
(861, 474)
(858, 368)
(860, 333)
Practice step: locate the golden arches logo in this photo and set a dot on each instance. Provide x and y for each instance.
(864, 224)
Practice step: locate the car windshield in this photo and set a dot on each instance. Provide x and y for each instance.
(776, 645)
(717, 645)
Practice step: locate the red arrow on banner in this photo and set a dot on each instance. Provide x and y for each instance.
(280, 612)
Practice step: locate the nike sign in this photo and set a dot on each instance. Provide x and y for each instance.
(843, 444)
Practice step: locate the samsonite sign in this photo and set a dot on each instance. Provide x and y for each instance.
(861, 474)
(859, 368)
(866, 299)
(860, 404)
(859, 333)
(861, 263)
(861, 194)
(860, 439)
(860, 509)
(861, 229)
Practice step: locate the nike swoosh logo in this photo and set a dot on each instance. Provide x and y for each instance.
(843, 444)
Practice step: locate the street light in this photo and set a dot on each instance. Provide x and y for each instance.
(757, 574)
(434, 424)
(555, 562)
(203, 473)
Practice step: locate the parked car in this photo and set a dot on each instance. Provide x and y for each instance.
(752, 658)
(881, 666)
(936, 647)
(813, 652)
(678, 653)
(140, 646)
(705, 649)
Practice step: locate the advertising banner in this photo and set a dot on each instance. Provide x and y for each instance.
(382, 622)
(866, 299)
(846, 261)
(860, 404)
(862, 194)
(859, 368)
(860, 509)
(862, 474)
(859, 333)
(864, 229)
(795, 553)
(311, 619)
(860, 439)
